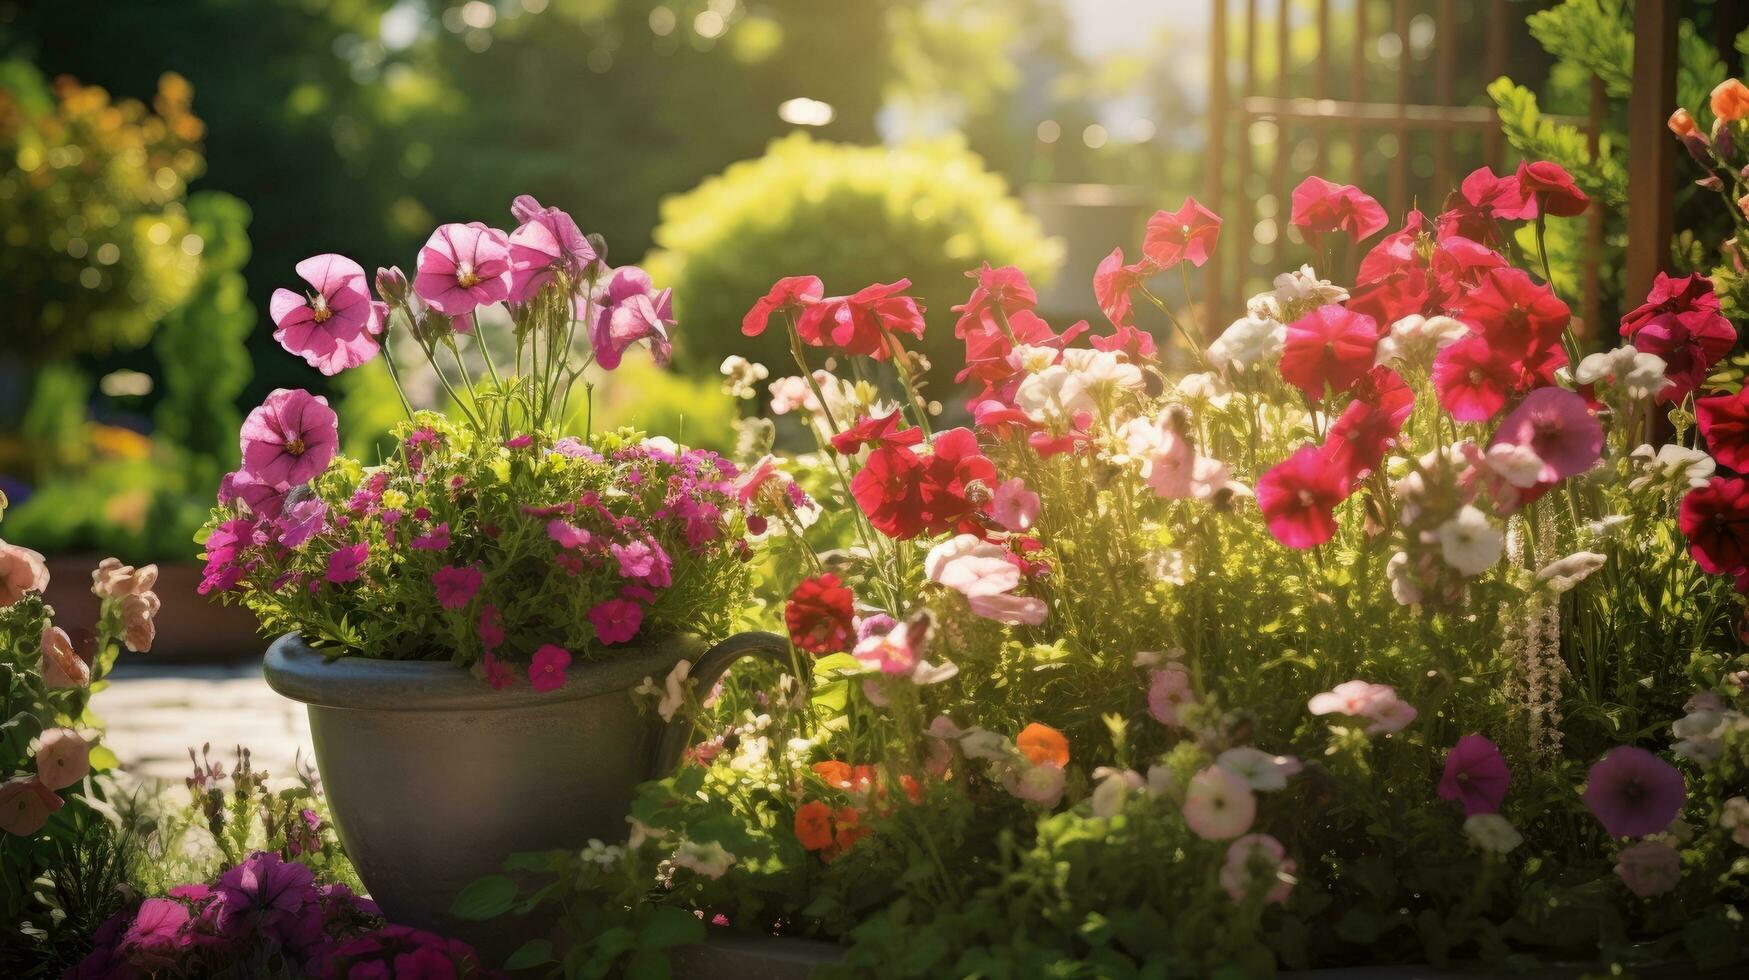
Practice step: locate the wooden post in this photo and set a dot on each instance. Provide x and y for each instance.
(1651, 148)
(1590, 292)
(1217, 155)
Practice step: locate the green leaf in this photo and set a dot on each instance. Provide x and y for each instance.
(530, 954)
(670, 926)
(102, 758)
(649, 965)
(486, 898)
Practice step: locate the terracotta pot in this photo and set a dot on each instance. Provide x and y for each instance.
(434, 778)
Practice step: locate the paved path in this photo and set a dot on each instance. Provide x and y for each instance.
(153, 713)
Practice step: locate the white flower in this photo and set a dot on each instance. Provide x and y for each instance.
(740, 375)
(1517, 465)
(1260, 770)
(752, 752)
(1734, 817)
(1249, 340)
(1403, 586)
(1102, 371)
(1031, 360)
(710, 860)
(979, 743)
(1492, 832)
(1055, 392)
(1469, 543)
(642, 832)
(1673, 464)
(1205, 386)
(1303, 286)
(1417, 338)
(1564, 573)
(1638, 374)
(1114, 786)
(661, 444)
(971, 566)
(674, 690)
(604, 855)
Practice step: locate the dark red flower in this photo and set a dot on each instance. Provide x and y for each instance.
(1112, 283)
(1680, 322)
(1715, 520)
(1724, 421)
(1475, 210)
(859, 323)
(958, 480)
(1473, 380)
(1175, 236)
(1514, 311)
(1298, 497)
(889, 490)
(793, 293)
(1004, 289)
(1369, 426)
(1689, 294)
(1548, 185)
(876, 430)
(1328, 349)
(821, 615)
(1321, 207)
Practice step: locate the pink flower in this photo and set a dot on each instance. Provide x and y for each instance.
(1189, 233)
(1168, 693)
(344, 563)
(1040, 784)
(547, 671)
(644, 561)
(138, 614)
(1328, 349)
(1298, 497)
(157, 932)
(62, 666)
(630, 309)
(790, 294)
(25, 805)
(435, 540)
(335, 327)
(1649, 868)
(1556, 425)
(497, 673)
(1257, 863)
(62, 758)
(616, 620)
(491, 627)
(456, 586)
(112, 580)
(260, 499)
(1015, 507)
(1112, 283)
(1321, 207)
(1009, 610)
(462, 267)
(302, 521)
(568, 535)
(1472, 379)
(1633, 792)
(971, 566)
(1376, 702)
(21, 570)
(1218, 805)
(547, 242)
(1475, 776)
(289, 438)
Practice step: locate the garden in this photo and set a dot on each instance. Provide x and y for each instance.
(926, 488)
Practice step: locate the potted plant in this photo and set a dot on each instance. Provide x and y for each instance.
(465, 617)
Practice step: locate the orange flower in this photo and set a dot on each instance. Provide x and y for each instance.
(1730, 100)
(1682, 124)
(814, 825)
(850, 830)
(913, 789)
(835, 773)
(1042, 744)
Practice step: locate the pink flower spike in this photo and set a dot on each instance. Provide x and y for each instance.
(1556, 425)
(462, 267)
(456, 586)
(1634, 793)
(547, 671)
(335, 327)
(1475, 776)
(289, 438)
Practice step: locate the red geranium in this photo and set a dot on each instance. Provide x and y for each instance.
(1715, 520)
(1724, 421)
(1112, 283)
(952, 470)
(1485, 199)
(1514, 311)
(791, 293)
(859, 323)
(1298, 497)
(1188, 233)
(1370, 424)
(1330, 347)
(1549, 186)
(820, 615)
(888, 489)
(1321, 207)
(1004, 289)
(876, 430)
(1473, 380)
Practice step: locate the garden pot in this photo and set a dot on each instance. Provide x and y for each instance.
(433, 778)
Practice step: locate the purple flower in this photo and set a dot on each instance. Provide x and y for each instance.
(344, 563)
(630, 309)
(1633, 792)
(301, 522)
(267, 893)
(1475, 775)
(547, 241)
(456, 586)
(335, 327)
(437, 540)
(1555, 424)
(462, 267)
(576, 449)
(289, 438)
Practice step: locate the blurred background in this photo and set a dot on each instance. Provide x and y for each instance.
(165, 163)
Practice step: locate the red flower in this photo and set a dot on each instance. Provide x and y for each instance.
(1112, 283)
(876, 431)
(1004, 289)
(1514, 311)
(859, 323)
(1724, 421)
(1546, 184)
(1715, 520)
(1473, 380)
(1298, 497)
(953, 470)
(1321, 207)
(1689, 294)
(904, 493)
(888, 489)
(1485, 199)
(1189, 233)
(814, 825)
(1680, 322)
(1135, 343)
(819, 615)
(1328, 348)
(790, 293)
(1371, 423)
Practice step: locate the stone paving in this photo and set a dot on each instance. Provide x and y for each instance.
(153, 713)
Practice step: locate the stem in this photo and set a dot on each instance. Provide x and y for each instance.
(394, 376)
(1184, 278)
(442, 379)
(1189, 341)
(795, 349)
(904, 368)
(1568, 340)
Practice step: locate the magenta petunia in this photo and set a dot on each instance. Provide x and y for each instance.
(547, 671)
(344, 563)
(157, 930)
(1634, 793)
(462, 267)
(628, 309)
(1298, 497)
(491, 627)
(497, 673)
(302, 521)
(436, 539)
(1556, 425)
(1475, 776)
(455, 585)
(616, 620)
(289, 438)
(546, 243)
(568, 535)
(334, 327)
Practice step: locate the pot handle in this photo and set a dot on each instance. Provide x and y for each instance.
(678, 732)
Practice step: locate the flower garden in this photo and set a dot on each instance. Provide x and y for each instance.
(1396, 618)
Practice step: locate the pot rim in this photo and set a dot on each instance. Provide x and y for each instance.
(298, 671)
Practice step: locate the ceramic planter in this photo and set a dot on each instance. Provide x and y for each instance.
(434, 778)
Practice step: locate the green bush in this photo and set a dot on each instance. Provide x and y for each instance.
(848, 214)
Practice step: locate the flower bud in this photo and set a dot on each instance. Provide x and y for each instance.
(1730, 100)
(392, 285)
(1682, 124)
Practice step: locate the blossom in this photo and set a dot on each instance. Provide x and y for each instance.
(629, 309)
(1112, 283)
(1169, 692)
(463, 266)
(876, 430)
(62, 667)
(1009, 610)
(1260, 770)
(1371, 423)
(1247, 341)
(138, 615)
(1040, 784)
(861, 322)
(1218, 805)
(1514, 312)
(1555, 424)
(1000, 292)
(1492, 833)
(1298, 497)
(25, 805)
(616, 620)
(567, 535)
(546, 672)
(157, 930)
(1257, 863)
(546, 243)
(456, 586)
(1321, 207)
(1552, 188)
(62, 758)
(1681, 323)
(1189, 234)
(1724, 422)
(1734, 817)
(1633, 792)
(790, 294)
(1416, 338)
(1328, 349)
(1564, 573)
(1475, 776)
(820, 615)
(265, 890)
(1472, 379)
(1484, 199)
(888, 488)
(1639, 375)
(344, 563)
(708, 859)
(436, 539)
(1469, 542)
(1682, 124)
(289, 438)
(335, 327)
(1043, 745)
(1649, 867)
(971, 566)
(813, 825)
(1376, 702)
(1715, 520)
(21, 570)
(1014, 506)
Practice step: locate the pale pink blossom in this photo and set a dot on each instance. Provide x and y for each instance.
(1649, 868)
(1035, 783)
(1169, 692)
(1015, 507)
(112, 580)
(1009, 610)
(21, 570)
(463, 266)
(62, 758)
(1257, 862)
(138, 618)
(1377, 703)
(1218, 805)
(971, 566)
(25, 805)
(61, 665)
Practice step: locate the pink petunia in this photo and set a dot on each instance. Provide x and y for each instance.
(1218, 805)
(456, 586)
(463, 266)
(62, 758)
(336, 326)
(629, 310)
(1556, 425)
(1321, 207)
(1169, 692)
(1298, 497)
(547, 671)
(496, 673)
(491, 628)
(25, 805)
(1014, 506)
(546, 243)
(1634, 793)
(616, 620)
(1378, 703)
(1188, 234)
(1328, 349)
(1475, 776)
(344, 563)
(436, 539)
(289, 438)
(568, 535)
